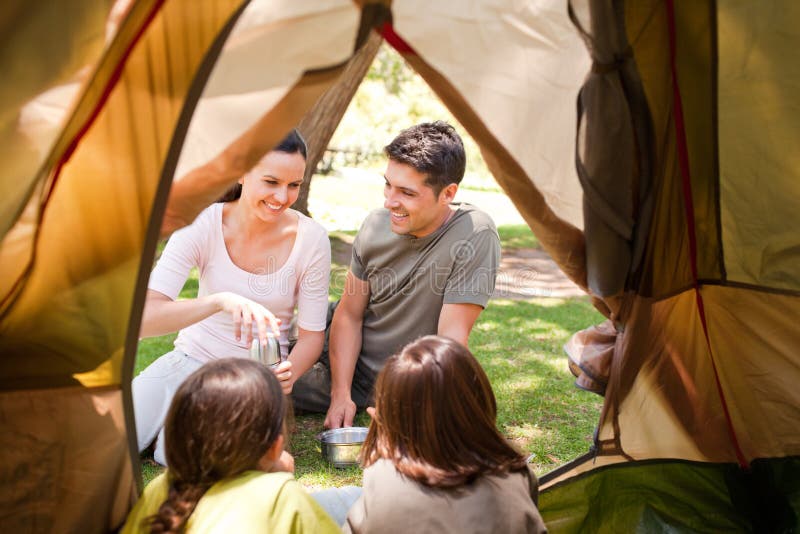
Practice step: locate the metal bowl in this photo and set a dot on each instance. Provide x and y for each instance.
(340, 446)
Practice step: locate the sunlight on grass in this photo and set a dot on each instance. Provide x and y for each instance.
(541, 302)
(516, 236)
(519, 343)
(524, 434)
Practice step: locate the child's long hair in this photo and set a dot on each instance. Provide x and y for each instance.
(435, 417)
(222, 421)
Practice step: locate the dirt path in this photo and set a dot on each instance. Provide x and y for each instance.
(528, 272)
(524, 273)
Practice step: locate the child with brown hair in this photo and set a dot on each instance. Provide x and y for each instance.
(434, 459)
(228, 470)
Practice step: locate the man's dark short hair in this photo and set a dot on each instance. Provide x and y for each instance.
(432, 148)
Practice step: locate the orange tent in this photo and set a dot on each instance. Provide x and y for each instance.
(673, 202)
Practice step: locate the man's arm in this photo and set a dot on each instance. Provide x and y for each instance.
(456, 321)
(471, 283)
(344, 347)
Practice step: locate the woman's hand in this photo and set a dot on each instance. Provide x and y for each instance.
(283, 372)
(246, 313)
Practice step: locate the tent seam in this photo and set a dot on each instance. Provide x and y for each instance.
(714, 44)
(683, 161)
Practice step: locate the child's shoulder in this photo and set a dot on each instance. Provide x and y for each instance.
(256, 481)
(157, 488)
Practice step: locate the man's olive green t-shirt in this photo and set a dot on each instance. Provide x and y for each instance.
(411, 278)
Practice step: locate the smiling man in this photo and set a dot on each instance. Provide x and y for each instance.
(421, 265)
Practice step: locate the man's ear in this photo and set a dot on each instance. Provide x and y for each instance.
(448, 193)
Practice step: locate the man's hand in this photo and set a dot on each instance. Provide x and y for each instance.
(341, 412)
(283, 372)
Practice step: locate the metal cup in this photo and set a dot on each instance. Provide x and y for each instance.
(268, 353)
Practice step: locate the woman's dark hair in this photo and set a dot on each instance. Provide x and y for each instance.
(435, 417)
(221, 422)
(293, 143)
(432, 148)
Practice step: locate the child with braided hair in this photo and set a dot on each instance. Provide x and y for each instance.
(228, 470)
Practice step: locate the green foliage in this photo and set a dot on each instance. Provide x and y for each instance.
(391, 70)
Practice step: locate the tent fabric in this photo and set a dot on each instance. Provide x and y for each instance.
(663, 356)
(682, 226)
(78, 255)
(662, 393)
(65, 464)
(72, 318)
(68, 323)
(677, 496)
(244, 81)
(562, 239)
(760, 173)
(38, 131)
(703, 366)
(503, 54)
(75, 39)
(613, 152)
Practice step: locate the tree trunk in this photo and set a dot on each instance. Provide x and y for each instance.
(320, 122)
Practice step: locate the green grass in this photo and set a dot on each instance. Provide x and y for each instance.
(518, 342)
(516, 236)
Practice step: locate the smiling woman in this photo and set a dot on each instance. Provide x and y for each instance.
(257, 260)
